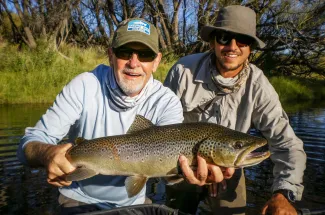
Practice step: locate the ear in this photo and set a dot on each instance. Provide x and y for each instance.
(212, 44)
(156, 62)
(110, 56)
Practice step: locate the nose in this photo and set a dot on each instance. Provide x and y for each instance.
(133, 61)
(233, 45)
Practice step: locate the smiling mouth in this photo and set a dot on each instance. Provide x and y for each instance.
(132, 75)
(229, 54)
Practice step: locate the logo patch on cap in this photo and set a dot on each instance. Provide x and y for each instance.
(139, 25)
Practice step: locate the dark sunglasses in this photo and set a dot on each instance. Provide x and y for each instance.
(126, 53)
(224, 38)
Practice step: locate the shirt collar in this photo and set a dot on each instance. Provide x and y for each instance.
(203, 74)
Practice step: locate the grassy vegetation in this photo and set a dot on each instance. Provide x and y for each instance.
(38, 76)
(166, 63)
(298, 89)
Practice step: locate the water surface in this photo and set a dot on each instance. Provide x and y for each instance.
(24, 190)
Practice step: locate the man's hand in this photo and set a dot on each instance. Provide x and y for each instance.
(205, 173)
(57, 165)
(52, 157)
(278, 205)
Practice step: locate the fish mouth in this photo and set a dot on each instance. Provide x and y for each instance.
(249, 158)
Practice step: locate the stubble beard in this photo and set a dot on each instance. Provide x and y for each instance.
(226, 67)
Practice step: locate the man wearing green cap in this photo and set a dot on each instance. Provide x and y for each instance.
(222, 87)
(103, 102)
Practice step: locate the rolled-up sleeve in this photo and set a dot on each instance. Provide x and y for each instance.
(56, 122)
(286, 148)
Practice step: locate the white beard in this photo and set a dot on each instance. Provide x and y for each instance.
(131, 87)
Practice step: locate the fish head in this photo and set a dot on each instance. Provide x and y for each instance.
(234, 149)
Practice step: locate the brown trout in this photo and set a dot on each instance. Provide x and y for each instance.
(152, 151)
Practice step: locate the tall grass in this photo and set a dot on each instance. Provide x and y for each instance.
(291, 89)
(298, 89)
(38, 76)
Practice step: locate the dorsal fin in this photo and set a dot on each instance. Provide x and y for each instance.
(140, 123)
(79, 140)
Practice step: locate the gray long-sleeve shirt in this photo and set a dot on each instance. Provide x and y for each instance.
(256, 103)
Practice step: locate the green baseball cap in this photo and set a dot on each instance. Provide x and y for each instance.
(136, 30)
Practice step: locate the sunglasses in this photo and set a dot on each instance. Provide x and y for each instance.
(126, 53)
(225, 38)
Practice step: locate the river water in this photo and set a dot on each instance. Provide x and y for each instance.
(25, 191)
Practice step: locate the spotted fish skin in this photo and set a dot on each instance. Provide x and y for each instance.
(153, 151)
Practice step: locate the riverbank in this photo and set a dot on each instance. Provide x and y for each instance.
(38, 76)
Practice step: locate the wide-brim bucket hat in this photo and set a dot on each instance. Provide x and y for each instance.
(235, 19)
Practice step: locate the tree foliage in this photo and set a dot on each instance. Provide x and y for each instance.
(292, 29)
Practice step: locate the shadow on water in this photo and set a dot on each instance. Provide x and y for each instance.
(24, 190)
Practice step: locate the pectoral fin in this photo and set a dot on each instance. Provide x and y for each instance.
(174, 180)
(80, 173)
(174, 176)
(134, 184)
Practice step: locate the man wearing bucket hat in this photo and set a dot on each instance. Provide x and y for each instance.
(222, 87)
(103, 102)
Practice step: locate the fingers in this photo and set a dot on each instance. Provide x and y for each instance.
(58, 182)
(278, 205)
(228, 172)
(215, 175)
(264, 210)
(216, 188)
(187, 171)
(205, 173)
(213, 189)
(66, 166)
(59, 166)
(202, 170)
(57, 178)
(65, 147)
(224, 184)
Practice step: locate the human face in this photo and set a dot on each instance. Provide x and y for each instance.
(231, 55)
(133, 74)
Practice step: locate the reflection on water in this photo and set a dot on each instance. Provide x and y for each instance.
(25, 191)
(309, 125)
(22, 190)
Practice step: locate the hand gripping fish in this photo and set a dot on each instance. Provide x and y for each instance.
(148, 151)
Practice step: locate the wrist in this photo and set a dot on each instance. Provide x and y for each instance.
(288, 194)
(37, 153)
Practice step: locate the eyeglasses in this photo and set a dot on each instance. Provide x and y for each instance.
(224, 38)
(126, 53)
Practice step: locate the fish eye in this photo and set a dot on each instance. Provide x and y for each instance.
(238, 145)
